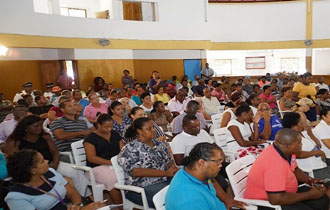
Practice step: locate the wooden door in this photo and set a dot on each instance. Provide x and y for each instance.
(132, 11)
(49, 72)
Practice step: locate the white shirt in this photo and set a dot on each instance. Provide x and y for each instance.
(207, 72)
(322, 131)
(322, 86)
(48, 95)
(245, 130)
(210, 106)
(175, 106)
(184, 142)
(232, 115)
(254, 110)
(311, 162)
(20, 95)
(6, 128)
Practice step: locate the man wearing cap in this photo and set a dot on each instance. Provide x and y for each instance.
(48, 93)
(27, 90)
(56, 93)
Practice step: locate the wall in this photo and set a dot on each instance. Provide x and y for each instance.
(321, 62)
(16, 73)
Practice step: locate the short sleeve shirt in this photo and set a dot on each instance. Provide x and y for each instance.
(304, 90)
(275, 124)
(120, 128)
(267, 98)
(272, 178)
(91, 111)
(177, 126)
(104, 148)
(139, 155)
(322, 131)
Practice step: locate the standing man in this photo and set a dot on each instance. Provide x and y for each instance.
(154, 82)
(27, 90)
(207, 72)
(48, 93)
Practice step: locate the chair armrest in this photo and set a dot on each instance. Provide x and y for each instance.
(129, 188)
(256, 202)
(82, 168)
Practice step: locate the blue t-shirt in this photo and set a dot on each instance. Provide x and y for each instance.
(137, 100)
(83, 103)
(24, 197)
(275, 124)
(188, 193)
(3, 167)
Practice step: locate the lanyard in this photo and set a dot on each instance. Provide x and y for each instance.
(58, 196)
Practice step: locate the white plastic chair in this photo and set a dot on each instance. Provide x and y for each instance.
(79, 155)
(122, 187)
(221, 108)
(216, 119)
(279, 109)
(221, 136)
(237, 172)
(159, 199)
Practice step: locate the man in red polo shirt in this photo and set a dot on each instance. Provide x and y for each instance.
(274, 177)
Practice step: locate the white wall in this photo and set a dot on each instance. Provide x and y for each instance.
(321, 61)
(168, 54)
(102, 54)
(30, 54)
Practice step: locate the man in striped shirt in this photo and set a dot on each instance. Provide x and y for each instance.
(67, 129)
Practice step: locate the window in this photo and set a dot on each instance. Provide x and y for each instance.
(258, 62)
(73, 12)
(290, 64)
(221, 66)
(243, 1)
(69, 70)
(139, 11)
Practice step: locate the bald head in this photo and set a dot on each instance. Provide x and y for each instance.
(286, 136)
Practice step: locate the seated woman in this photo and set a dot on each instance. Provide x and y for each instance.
(138, 112)
(267, 97)
(323, 98)
(100, 146)
(286, 102)
(242, 136)
(161, 96)
(38, 187)
(322, 132)
(120, 121)
(160, 115)
(146, 161)
(254, 102)
(146, 102)
(235, 100)
(303, 106)
(269, 124)
(125, 102)
(91, 110)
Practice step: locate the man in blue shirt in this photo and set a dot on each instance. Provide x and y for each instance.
(192, 187)
(269, 124)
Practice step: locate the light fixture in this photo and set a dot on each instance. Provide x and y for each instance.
(104, 42)
(3, 51)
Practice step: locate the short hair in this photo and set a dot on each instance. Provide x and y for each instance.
(255, 85)
(63, 104)
(218, 85)
(135, 109)
(113, 106)
(37, 98)
(251, 97)
(286, 136)
(307, 74)
(241, 109)
(126, 70)
(191, 104)
(265, 87)
(143, 95)
(187, 119)
(64, 92)
(322, 91)
(239, 85)
(235, 96)
(290, 119)
(324, 111)
(20, 164)
(285, 89)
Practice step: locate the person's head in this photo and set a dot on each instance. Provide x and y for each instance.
(289, 141)
(37, 93)
(244, 112)
(264, 108)
(293, 120)
(210, 83)
(126, 72)
(207, 92)
(113, 95)
(207, 65)
(227, 79)
(180, 95)
(267, 89)
(158, 107)
(140, 90)
(233, 87)
(321, 80)
(30, 124)
(22, 102)
(201, 82)
(116, 108)
(236, 98)
(124, 101)
(325, 114)
(104, 123)
(240, 81)
(137, 112)
(28, 99)
(93, 99)
(41, 100)
(142, 128)
(256, 88)
(246, 81)
(62, 99)
(99, 81)
(196, 77)
(239, 87)
(25, 164)
(273, 86)
(192, 107)
(253, 100)
(27, 87)
(263, 79)
(160, 90)
(146, 98)
(67, 93)
(291, 82)
(56, 90)
(323, 94)
(307, 78)
(78, 108)
(76, 95)
(191, 125)
(184, 83)
(287, 92)
(19, 112)
(218, 87)
(68, 109)
(206, 159)
(155, 75)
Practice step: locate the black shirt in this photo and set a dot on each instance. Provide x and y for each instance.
(40, 145)
(40, 109)
(104, 148)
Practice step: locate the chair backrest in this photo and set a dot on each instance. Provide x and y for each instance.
(118, 170)
(237, 172)
(216, 119)
(159, 198)
(221, 108)
(221, 135)
(79, 154)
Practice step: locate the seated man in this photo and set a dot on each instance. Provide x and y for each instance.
(278, 182)
(191, 109)
(42, 108)
(192, 187)
(210, 103)
(178, 104)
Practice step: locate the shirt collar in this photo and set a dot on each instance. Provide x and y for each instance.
(282, 154)
(193, 179)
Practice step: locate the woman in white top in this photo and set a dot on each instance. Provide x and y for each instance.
(322, 132)
(146, 103)
(227, 116)
(241, 132)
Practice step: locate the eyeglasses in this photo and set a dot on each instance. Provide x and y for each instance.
(264, 109)
(218, 162)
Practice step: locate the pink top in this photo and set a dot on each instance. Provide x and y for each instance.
(267, 98)
(216, 93)
(265, 177)
(91, 111)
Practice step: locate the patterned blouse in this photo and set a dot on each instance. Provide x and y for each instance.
(119, 128)
(158, 133)
(136, 154)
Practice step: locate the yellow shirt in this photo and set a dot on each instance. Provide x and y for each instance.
(304, 90)
(163, 98)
